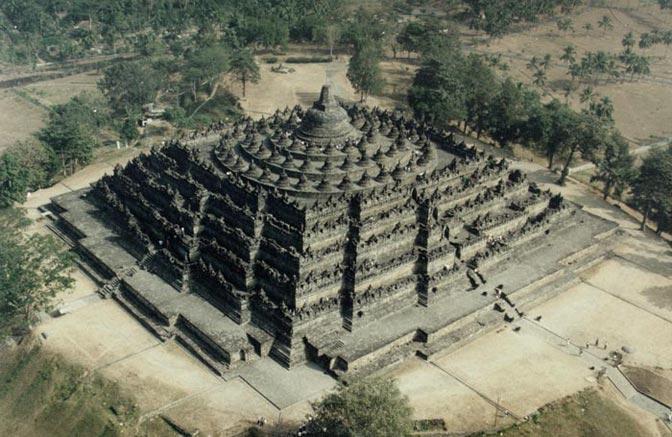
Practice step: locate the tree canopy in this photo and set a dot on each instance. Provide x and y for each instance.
(652, 189)
(14, 180)
(33, 270)
(364, 71)
(70, 134)
(366, 408)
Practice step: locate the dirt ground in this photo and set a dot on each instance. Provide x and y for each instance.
(302, 87)
(23, 110)
(641, 107)
(19, 118)
(58, 91)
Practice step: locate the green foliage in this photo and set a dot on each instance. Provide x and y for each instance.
(665, 4)
(371, 407)
(308, 59)
(565, 24)
(496, 17)
(244, 67)
(568, 54)
(33, 270)
(329, 33)
(652, 190)
(366, 28)
(129, 85)
(364, 71)
(44, 394)
(481, 85)
(615, 168)
(204, 66)
(628, 40)
(439, 92)
(52, 30)
(602, 109)
(634, 64)
(38, 161)
(70, 133)
(587, 413)
(508, 112)
(14, 180)
(605, 23)
(596, 66)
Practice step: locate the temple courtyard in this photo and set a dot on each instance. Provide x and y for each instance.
(623, 300)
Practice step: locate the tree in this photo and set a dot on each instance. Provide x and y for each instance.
(579, 133)
(605, 23)
(370, 407)
(539, 78)
(438, 93)
(36, 159)
(569, 54)
(546, 61)
(329, 34)
(628, 40)
(565, 24)
(128, 86)
(665, 4)
(652, 189)
(364, 71)
(587, 94)
(367, 29)
(244, 67)
(508, 112)
(410, 36)
(480, 84)
(615, 168)
(33, 270)
(603, 110)
(204, 67)
(14, 180)
(70, 134)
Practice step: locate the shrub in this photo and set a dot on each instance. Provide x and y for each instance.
(308, 59)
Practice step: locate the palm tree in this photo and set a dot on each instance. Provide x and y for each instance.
(587, 94)
(539, 78)
(533, 64)
(546, 62)
(605, 23)
(628, 40)
(569, 54)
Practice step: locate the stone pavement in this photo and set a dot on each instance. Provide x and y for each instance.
(597, 358)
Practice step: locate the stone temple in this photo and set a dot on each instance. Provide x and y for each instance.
(337, 235)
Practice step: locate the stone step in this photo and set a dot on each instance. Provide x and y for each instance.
(193, 346)
(157, 329)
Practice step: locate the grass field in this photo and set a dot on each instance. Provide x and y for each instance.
(41, 394)
(587, 413)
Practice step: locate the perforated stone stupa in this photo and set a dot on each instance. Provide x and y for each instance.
(340, 235)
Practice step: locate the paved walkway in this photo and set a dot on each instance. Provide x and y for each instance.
(595, 357)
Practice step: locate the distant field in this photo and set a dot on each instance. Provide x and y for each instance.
(642, 108)
(587, 413)
(23, 110)
(18, 118)
(57, 91)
